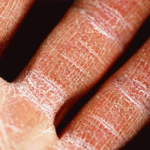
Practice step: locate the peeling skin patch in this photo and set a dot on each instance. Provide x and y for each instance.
(141, 102)
(97, 26)
(106, 20)
(41, 91)
(112, 14)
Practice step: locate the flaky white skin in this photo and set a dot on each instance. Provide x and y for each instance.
(72, 59)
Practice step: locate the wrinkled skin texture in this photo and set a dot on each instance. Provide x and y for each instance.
(71, 60)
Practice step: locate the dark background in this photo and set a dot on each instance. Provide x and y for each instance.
(42, 18)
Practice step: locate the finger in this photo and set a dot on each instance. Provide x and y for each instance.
(80, 50)
(117, 111)
(12, 13)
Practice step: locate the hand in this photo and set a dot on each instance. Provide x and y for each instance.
(73, 58)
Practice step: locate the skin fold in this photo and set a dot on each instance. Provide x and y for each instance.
(71, 60)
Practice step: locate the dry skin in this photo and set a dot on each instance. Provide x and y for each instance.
(71, 60)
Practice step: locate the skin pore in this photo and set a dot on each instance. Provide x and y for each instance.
(71, 60)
